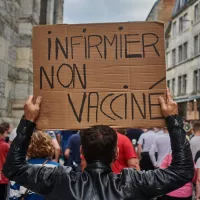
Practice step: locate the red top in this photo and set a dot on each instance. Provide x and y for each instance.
(126, 152)
(4, 147)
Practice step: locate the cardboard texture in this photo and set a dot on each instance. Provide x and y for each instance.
(91, 74)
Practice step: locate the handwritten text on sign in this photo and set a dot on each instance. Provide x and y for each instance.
(91, 74)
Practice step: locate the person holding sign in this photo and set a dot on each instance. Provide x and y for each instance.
(99, 147)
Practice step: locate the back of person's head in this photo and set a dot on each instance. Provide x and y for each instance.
(41, 146)
(99, 143)
(2, 130)
(196, 126)
(6, 125)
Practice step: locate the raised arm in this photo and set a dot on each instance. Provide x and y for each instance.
(38, 179)
(181, 170)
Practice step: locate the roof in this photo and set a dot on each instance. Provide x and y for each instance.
(179, 5)
(155, 4)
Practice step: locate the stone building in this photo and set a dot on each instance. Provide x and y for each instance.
(17, 17)
(183, 55)
(161, 11)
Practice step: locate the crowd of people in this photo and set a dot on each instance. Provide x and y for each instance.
(141, 149)
(104, 163)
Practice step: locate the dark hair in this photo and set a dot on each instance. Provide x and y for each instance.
(6, 125)
(99, 143)
(2, 130)
(196, 126)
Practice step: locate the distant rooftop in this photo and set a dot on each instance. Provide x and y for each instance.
(179, 5)
(155, 4)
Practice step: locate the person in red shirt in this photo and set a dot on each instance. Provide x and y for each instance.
(4, 147)
(127, 157)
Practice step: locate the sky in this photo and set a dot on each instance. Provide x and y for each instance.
(94, 11)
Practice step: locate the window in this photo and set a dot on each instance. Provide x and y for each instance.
(185, 51)
(196, 45)
(181, 19)
(180, 53)
(168, 83)
(196, 13)
(173, 57)
(167, 60)
(173, 87)
(197, 81)
(167, 43)
(184, 84)
(174, 29)
(179, 85)
(183, 23)
(182, 3)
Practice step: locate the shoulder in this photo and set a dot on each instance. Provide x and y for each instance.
(75, 136)
(5, 145)
(143, 134)
(52, 164)
(123, 139)
(198, 163)
(119, 135)
(194, 138)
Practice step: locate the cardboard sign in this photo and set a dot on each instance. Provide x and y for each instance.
(89, 74)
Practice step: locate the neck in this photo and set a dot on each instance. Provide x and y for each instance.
(166, 132)
(197, 133)
(2, 137)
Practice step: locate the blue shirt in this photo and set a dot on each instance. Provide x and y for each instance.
(134, 135)
(74, 146)
(65, 137)
(17, 191)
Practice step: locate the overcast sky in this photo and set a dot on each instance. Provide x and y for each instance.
(89, 11)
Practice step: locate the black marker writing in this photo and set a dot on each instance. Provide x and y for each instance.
(78, 116)
(59, 46)
(42, 71)
(140, 110)
(93, 106)
(150, 45)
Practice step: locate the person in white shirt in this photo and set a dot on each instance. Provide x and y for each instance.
(162, 146)
(195, 141)
(144, 145)
(158, 131)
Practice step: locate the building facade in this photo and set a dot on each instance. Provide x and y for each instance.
(183, 55)
(17, 17)
(161, 11)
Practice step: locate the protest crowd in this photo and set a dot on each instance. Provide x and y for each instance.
(141, 149)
